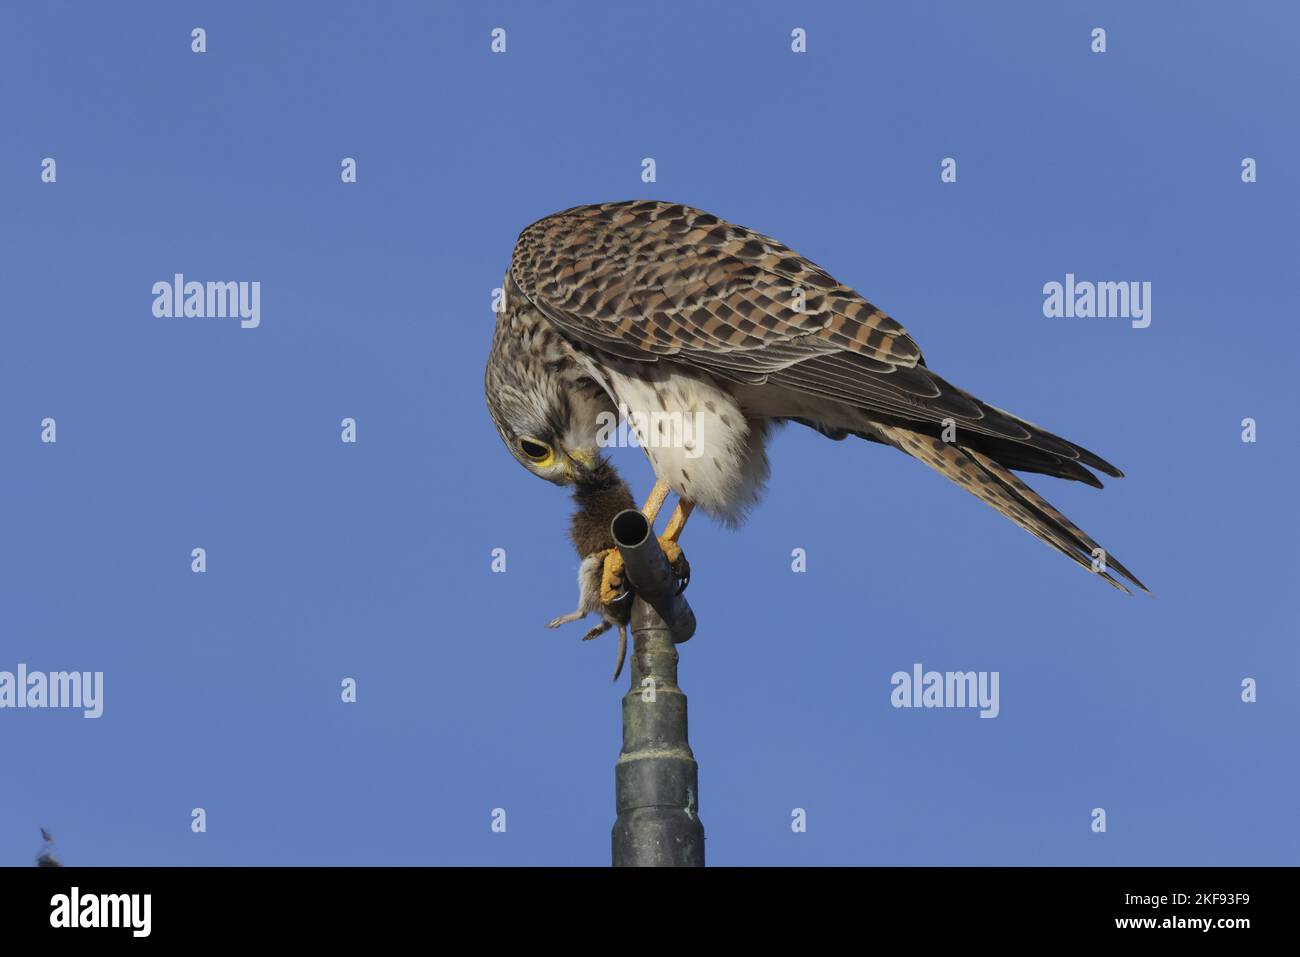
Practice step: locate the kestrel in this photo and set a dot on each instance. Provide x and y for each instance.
(647, 307)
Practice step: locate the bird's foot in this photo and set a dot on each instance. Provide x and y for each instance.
(681, 567)
(613, 583)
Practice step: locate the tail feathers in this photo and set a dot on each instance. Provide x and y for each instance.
(994, 484)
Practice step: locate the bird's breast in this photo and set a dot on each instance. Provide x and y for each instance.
(694, 432)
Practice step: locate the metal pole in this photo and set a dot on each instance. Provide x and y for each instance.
(656, 779)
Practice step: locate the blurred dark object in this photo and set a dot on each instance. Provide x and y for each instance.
(46, 858)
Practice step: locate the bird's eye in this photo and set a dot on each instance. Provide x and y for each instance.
(534, 450)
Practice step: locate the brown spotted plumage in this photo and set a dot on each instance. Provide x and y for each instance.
(647, 305)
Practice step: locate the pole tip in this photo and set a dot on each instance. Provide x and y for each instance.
(630, 528)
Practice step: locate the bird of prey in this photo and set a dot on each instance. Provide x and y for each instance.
(645, 307)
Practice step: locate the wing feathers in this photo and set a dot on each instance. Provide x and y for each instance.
(994, 485)
(653, 281)
(648, 280)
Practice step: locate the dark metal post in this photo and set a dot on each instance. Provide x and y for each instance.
(656, 780)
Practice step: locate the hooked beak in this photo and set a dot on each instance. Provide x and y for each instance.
(579, 462)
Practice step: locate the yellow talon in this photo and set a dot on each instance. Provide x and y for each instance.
(612, 584)
(681, 567)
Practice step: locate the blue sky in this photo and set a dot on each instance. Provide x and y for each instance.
(372, 560)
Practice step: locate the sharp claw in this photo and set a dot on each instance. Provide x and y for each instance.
(680, 566)
(682, 569)
(612, 578)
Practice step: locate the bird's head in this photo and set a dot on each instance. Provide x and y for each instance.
(547, 417)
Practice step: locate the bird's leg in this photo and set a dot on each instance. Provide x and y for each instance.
(655, 501)
(612, 586)
(672, 550)
(677, 522)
